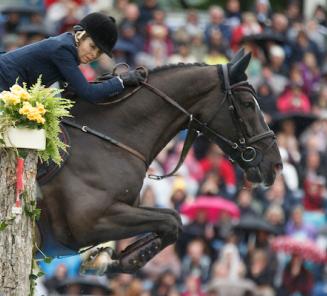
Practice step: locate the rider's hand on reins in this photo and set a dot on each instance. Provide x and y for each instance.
(132, 78)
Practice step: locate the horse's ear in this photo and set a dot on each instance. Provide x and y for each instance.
(238, 55)
(238, 68)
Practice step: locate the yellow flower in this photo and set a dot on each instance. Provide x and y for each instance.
(9, 98)
(16, 88)
(32, 113)
(27, 107)
(25, 96)
(40, 108)
(40, 119)
(20, 92)
(32, 116)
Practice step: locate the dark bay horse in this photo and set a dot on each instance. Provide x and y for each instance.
(95, 197)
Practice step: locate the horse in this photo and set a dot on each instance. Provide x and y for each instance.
(95, 197)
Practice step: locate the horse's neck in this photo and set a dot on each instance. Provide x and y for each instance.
(145, 121)
(187, 86)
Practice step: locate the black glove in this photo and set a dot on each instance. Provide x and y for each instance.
(132, 78)
(104, 77)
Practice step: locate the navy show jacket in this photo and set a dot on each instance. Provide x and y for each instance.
(56, 58)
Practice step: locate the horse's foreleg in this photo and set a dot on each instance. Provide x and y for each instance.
(172, 212)
(124, 221)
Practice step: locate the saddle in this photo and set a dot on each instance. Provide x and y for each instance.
(46, 171)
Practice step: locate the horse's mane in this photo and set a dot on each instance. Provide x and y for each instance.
(172, 66)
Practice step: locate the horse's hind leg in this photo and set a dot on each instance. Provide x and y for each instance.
(124, 221)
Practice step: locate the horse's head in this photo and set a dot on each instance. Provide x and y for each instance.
(242, 132)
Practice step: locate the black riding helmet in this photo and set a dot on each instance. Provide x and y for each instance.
(102, 29)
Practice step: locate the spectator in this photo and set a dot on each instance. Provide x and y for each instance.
(314, 184)
(229, 265)
(226, 173)
(279, 25)
(246, 203)
(192, 25)
(147, 9)
(215, 56)
(70, 19)
(310, 74)
(267, 100)
(290, 174)
(165, 284)
(293, 12)
(277, 60)
(148, 197)
(158, 43)
(262, 11)
(279, 194)
(259, 272)
(274, 214)
(297, 227)
(233, 13)
(199, 230)
(296, 278)
(179, 194)
(294, 99)
(248, 26)
(182, 54)
(117, 9)
(276, 82)
(304, 44)
(320, 16)
(317, 35)
(216, 23)
(320, 104)
(192, 286)
(167, 259)
(130, 19)
(59, 276)
(196, 262)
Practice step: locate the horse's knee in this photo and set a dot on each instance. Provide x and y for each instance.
(170, 229)
(176, 215)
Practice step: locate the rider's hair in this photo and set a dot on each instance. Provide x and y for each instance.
(80, 36)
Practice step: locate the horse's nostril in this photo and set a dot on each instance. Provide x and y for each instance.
(278, 168)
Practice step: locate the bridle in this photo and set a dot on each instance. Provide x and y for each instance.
(241, 150)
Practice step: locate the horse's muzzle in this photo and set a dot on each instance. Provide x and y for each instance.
(253, 174)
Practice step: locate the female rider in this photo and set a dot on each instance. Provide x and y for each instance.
(57, 59)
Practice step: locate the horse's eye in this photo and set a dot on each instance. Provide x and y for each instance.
(248, 104)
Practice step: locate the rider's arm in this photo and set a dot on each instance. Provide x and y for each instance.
(67, 64)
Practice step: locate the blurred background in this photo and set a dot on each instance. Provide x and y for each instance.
(237, 240)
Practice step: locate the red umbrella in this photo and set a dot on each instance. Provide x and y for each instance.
(213, 206)
(305, 248)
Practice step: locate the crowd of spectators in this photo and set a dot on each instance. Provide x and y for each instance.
(289, 72)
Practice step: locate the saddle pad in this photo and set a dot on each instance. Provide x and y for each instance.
(47, 170)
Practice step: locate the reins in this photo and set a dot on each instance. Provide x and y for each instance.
(86, 129)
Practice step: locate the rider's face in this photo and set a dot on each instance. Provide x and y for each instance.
(87, 51)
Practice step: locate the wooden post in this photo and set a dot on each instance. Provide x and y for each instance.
(16, 239)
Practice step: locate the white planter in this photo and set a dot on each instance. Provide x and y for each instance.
(25, 138)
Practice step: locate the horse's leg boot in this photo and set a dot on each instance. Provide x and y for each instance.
(138, 243)
(137, 254)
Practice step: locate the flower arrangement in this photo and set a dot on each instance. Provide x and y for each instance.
(38, 107)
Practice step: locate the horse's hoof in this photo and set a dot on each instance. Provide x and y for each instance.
(98, 261)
